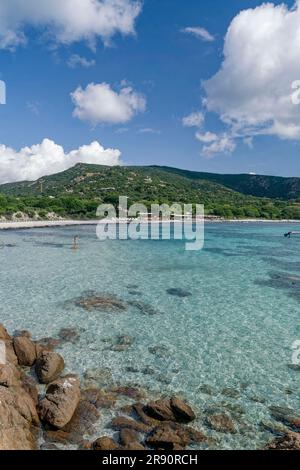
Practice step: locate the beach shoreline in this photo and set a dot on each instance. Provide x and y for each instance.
(30, 224)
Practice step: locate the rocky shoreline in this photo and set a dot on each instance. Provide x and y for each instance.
(43, 408)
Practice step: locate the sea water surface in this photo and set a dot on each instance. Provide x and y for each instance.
(234, 329)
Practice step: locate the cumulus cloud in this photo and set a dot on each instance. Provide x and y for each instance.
(199, 32)
(66, 21)
(30, 163)
(206, 137)
(222, 143)
(193, 120)
(78, 61)
(252, 91)
(99, 103)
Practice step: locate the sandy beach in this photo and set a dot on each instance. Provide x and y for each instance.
(14, 225)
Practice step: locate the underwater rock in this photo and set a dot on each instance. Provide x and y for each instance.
(129, 391)
(273, 427)
(207, 390)
(165, 438)
(159, 351)
(100, 302)
(125, 423)
(69, 335)
(230, 392)
(148, 370)
(97, 377)
(295, 367)
(144, 308)
(220, 422)
(48, 366)
(25, 350)
(99, 398)
(289, 441)
(60, 402)
(132, 369)
(178, 292)
(286, 415)
(132, 286)
(47, 344)
(123, 343)
(284, 281)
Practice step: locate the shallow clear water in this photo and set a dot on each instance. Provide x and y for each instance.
(236, 329)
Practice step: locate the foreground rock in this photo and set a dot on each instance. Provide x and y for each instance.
(18, 420)
(105, 443)
(49, 366)
(25, 350)
(61, 400)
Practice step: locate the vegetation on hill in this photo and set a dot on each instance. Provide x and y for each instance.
(77, 192)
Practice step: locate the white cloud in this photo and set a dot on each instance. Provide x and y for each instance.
(193, 120)
(199, 32)
(30, 163)
(148, 130)
(220, 144)
(98, 103)
(207, 137)
(66, 21)
(252, 91)
(78, 61)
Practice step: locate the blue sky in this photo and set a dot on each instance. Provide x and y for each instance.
(162, 67)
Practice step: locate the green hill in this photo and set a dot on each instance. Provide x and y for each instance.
(78, 191)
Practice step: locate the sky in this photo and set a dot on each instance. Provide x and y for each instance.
(201, 85)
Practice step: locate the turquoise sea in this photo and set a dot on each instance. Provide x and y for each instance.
(234, 328)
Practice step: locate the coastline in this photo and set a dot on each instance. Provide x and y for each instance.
(15, 225)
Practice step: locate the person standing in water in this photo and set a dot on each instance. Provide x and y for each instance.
(75, 243)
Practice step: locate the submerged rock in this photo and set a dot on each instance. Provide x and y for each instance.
(207, 390)
(69, 335)
(94, 378)
(230, 392)
(99, 398)
(100, 302)
(47, 344)
(159, 351)
(25, 350)
(220, 422)
(144, 308)
(286, 415)
(125, 423)
(123, 343)
(164, 438)
(49, 366)
(289, 441)
(61, 400)
(178, 292)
